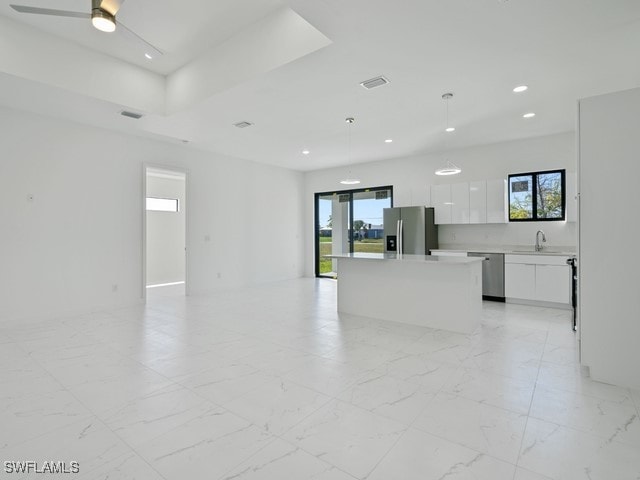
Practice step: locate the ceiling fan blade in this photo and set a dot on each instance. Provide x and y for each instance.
(49, 11)
(111, 6)
(148, 48)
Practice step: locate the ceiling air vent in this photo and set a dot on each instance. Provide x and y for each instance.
(374, 82)
(125, 113)
(242, 124)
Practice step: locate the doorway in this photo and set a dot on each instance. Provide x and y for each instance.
(165, 223)
(349, 221)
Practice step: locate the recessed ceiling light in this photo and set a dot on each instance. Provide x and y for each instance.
(529, 115)
(388, 140)
(306, 152)
(520, 89)
(149, 57)
(450, 129)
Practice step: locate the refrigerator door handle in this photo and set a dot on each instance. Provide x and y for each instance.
(401, 237)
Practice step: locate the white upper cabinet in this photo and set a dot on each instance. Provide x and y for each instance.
(441, 201)
(460, 203)
(481, 201)
(497, 201)
(478, 202)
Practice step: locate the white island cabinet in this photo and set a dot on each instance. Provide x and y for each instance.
(424, 290)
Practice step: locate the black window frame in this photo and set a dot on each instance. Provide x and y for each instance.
(316, 219)
(534, 193)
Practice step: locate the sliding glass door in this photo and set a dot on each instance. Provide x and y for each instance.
(348, 221)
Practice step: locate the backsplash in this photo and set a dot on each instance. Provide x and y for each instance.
(559, 234)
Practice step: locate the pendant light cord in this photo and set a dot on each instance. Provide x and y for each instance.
(447, 100)
(350, 121)
(349, 143)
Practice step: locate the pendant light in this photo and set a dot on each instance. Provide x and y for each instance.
(349, 180)
(449, 168)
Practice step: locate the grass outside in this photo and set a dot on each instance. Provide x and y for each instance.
(367, 245)
(326, 265)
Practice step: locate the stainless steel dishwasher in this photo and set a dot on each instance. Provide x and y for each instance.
(492, 275)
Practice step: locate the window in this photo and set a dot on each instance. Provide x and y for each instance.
(349, 221)
(163, 204)
(537, 196)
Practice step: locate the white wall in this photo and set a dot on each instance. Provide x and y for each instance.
(608, 237)
(166, 232)
(65, 250)
(32, 54)
(411, 176)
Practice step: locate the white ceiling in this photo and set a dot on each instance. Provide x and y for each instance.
(477, 49)
(182, 30)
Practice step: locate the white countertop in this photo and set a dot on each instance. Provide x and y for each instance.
(427, 259)
(508, 249)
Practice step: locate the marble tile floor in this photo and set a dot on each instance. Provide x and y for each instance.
(270, 383)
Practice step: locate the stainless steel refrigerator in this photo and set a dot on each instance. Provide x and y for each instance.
(410, 230)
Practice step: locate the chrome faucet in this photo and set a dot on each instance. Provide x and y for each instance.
(538, 244)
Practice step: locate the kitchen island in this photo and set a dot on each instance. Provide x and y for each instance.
(425, 290)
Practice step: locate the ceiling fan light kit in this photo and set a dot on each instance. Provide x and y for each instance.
(103, 20)
(103, 17)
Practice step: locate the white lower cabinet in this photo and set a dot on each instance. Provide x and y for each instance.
(519, 281)
(553, 283)
(537, 277)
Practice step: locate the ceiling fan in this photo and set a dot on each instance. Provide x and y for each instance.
(103, 17)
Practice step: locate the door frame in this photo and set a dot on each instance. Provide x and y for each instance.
(171, 168)
(316, 224)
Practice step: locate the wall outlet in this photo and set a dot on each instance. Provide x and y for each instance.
(454, 236)
(114, 287)
(219, 275)
(207, 238)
